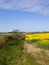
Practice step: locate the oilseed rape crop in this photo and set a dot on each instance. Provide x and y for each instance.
(43, 37)
(37, 36)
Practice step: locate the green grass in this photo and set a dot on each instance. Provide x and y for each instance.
(12, 52)
(14, 55)
(43, 46)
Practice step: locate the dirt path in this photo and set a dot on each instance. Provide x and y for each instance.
(41, 55)
(32, 49)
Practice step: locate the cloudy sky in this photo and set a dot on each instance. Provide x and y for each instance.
(26, 15)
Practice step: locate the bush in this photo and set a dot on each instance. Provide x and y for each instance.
(11, 51)
(12, 39)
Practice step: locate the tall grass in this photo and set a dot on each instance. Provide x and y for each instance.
(11, 50)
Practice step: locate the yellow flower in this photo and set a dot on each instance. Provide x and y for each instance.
(42, 36)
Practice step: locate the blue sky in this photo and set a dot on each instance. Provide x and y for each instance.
(26, 15)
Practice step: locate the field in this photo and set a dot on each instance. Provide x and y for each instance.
(24, 49)
(40, 36)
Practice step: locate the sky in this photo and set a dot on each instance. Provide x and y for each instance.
(25, 15)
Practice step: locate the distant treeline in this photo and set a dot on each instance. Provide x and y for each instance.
(37, 32)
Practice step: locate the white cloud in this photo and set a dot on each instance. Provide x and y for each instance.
(33, 6)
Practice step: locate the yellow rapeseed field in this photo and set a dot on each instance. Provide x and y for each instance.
(37, 36)
(44, 37)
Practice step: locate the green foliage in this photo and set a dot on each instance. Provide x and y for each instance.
(43, 46)
(34, 41)
(9, 54)
(12, 39)
(11, 49)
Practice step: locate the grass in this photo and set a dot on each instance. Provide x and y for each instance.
(43, 46)
(12, 51)
(14, 55)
